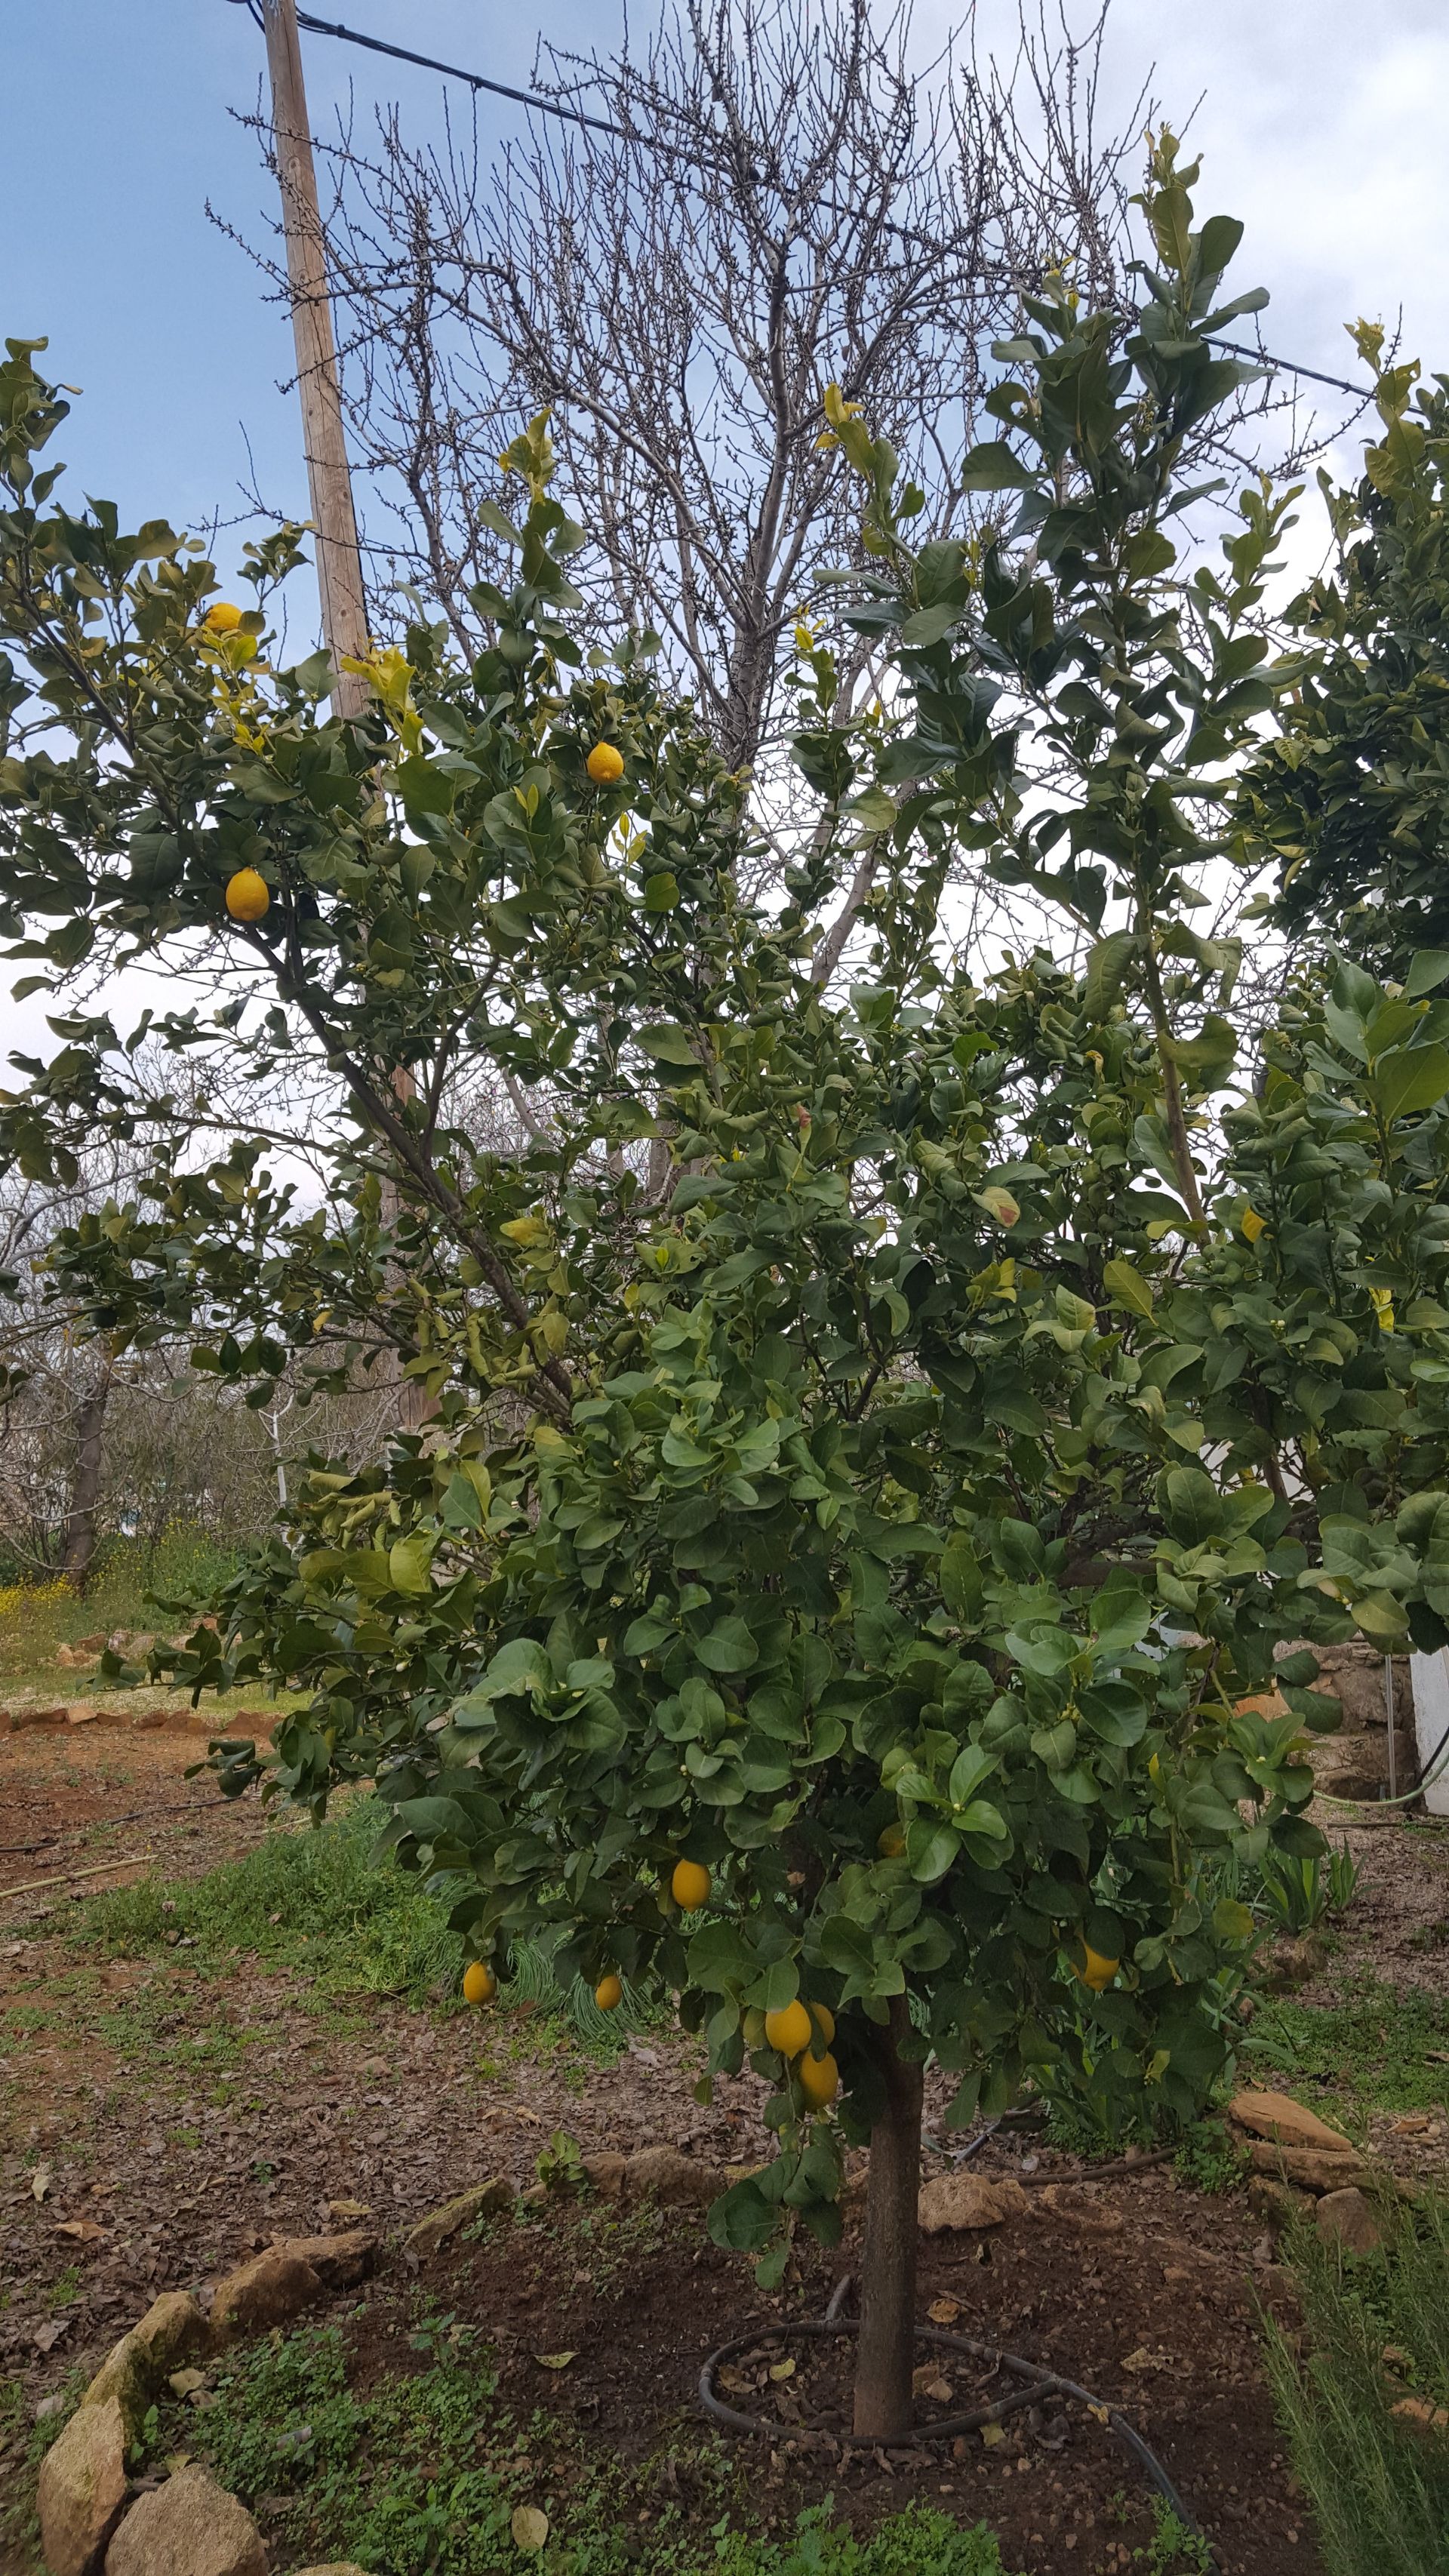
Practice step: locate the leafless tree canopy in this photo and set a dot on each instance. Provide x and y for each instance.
(787, 202)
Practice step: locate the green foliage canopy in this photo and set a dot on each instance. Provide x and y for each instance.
(891, 1494)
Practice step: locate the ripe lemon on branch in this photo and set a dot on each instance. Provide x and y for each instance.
(1097, 1972)
(689, 1885)
(223, 617)
(818, 2079)
(790, 2029)
(479, 1983)
(605, 764)
(247, 898)
(609, 1993)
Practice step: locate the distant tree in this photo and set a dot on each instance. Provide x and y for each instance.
(1351, 793)
(787, 202)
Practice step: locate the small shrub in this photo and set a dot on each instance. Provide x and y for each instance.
(1377, 2330)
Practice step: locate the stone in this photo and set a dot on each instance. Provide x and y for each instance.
(82, 2489)
(1079, 2206)
(1421, 2415)
(1276, 2203)
(676, 2181)
(172, 2329)
(1309, 2167)
(334, 2567)
(1295, 1959)
(122, 2381)
(968, 2200)
(338, 2261)
(188, 2527)
(1277, 2115)
(268, 2291)
(606, 2174)
(439, 2224)
(1345, 2218)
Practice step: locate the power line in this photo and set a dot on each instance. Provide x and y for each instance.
(545, 106)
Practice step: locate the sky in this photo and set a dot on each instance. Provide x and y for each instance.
(1321, 122)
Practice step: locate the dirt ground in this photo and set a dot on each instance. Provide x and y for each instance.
(148, 2145)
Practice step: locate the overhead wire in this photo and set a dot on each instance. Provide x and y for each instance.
(545, 106)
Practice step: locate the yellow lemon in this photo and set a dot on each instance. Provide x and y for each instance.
(223, 617)
(479, 1983)
(609, 1993)
(819, 2080)
(824, 2020)
(689, 1885)
(790, 2029)
(605, 764)
(246, 895)
(891, 1843)
(1098, 1972)
(1252, 1224)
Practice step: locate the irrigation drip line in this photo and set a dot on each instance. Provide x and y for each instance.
(1434, 1768)
(1036, 2385)
(341, 33)
(43, 1886)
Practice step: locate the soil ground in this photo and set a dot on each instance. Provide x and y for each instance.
(160, 2122)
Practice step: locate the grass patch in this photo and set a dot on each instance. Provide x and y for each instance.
(1378, 2332)
(420, 2474)
(23, 2445)
(35, 1618)
(316, 1902)
(1379, 2048)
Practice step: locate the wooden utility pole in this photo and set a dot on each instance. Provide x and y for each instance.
(339, 557)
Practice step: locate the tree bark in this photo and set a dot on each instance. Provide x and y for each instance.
(885, 2354)
(80, 1527)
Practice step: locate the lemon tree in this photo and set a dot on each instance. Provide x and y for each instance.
(883, 1429)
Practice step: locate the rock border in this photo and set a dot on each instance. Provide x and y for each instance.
(93, 2517)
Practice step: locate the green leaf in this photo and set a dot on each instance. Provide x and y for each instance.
(1232, 1921)
(729, 1648)
(461, 1506)
(1128, 1287)
(1106, 972)
(874, 808)
(661, 891)
(993, 467)
(1426, 972)
(930, 1850)
(408, 1564)
(929, 625)
(669, 1044)
(1410, 1079)
(1192, 1504)
(742, 2219)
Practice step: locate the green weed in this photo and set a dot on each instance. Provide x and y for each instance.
(917, 2542)
(319, 1903)
(423, 2471)
(1377, 2328)
(1173, 2550)
(1375, 2049)
(1210, 2158)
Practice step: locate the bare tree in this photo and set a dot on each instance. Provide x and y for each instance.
(783, 201)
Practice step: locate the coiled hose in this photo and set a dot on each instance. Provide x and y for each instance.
(1036, 2384)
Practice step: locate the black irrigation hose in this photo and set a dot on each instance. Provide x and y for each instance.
(1037, 2384)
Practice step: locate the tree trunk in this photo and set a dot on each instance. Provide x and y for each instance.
(885, 2353)
(80, 1527)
